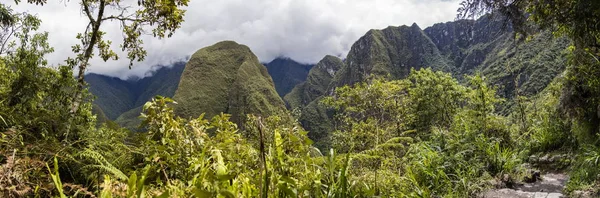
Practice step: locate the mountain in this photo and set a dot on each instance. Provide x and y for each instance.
(305, 96)
(226, 77)
(115, 96)
(392, 51)
(464, 47)
(316, 83)
(488, 46)
(286, 74)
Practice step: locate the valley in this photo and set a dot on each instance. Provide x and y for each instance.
(333, 99)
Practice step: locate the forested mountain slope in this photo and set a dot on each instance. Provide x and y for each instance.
(226, 78)
(115, 96)
(488, 45)
(462, 47)
(287, 73)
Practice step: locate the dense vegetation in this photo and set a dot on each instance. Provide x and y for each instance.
(423, 132)
(463, 47)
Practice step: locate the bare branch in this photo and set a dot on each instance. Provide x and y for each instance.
(121, 18)
(87, 11)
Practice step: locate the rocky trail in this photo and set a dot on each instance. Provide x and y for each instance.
(548, 186)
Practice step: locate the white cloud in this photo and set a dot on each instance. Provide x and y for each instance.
(304, 30)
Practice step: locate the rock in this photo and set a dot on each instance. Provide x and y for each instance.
(551, 183)
(511, 193)
(545, 159)
(507, 181)
(554, 195)
(551, 161)
(533, 174)
(582, 194)
(545, 186)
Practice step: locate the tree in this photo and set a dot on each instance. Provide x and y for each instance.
(436, 96)
(372, 123)
(577, 19)
(369, 113)
(162, 17)
(6, 18)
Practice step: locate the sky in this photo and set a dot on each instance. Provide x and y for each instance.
(303, 30)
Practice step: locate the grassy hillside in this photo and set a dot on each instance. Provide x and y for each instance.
(226, 77)
(286, 74)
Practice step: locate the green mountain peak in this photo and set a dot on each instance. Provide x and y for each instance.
(226, 77)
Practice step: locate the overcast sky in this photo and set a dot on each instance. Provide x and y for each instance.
(304, 30)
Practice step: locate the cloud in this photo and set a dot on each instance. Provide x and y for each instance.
(304, 30)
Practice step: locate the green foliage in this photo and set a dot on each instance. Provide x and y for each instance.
(423, 136)
(56, 179)
(460, 140)
(585, 173)
(187, 160)
(36, 98)
(371, 112)
(547, 129)
(6, 17)
(575, 20)
(436, 97)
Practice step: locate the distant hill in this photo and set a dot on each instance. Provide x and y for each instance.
(316, 85)
(115, 96)
(460, 47)
(286, 74)
(392, 51)
(488, 46)
(226, 77)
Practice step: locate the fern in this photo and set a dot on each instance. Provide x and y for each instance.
(100, 163)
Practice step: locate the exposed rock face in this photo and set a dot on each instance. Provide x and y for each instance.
(488, 46)
(226, 78)
(287, 73)
(463, 47)
(392, 51)
(550, 186)
(317, 82)
(466, 43)
(315, 117)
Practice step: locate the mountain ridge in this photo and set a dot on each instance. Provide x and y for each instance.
(116, 96)
(287, 73)
(464, 47)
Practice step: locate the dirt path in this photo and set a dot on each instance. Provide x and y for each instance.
(550, 186)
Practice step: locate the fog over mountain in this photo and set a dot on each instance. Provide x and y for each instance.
(304, 31)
